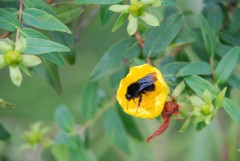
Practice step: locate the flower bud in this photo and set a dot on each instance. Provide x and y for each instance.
(13, 58)
(137, 9)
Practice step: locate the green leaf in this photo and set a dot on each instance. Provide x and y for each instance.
(6, 104)
(198, 68)
(39, 4)
(115, 58)
(119, 21)
(234, 81)
(130, 125)
(220, 98)
(234, 40)
(31, 33)
(232, 110)
(64, 119)
(78, 154)
(169, 3)
(60, 152)
(186, 36)
(54, 57)
(208, 36)
(214, 21)
(170, 70)
(199, 85)
(4, 134)
(8, 21)
(185, 125)
(89, 104)
(68, 13)
(67, 40)
(160, 37)
(105, 14)
(226, 65)
(98, 1)
(42, 20)
(235, 24)
(63, 138)
(49, 72)
(41, 46)
(115, 131)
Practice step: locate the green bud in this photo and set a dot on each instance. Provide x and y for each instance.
(13, 58)
(220, 98)
(206, 109)
(207, 97)
(32, 137)
(137, 9)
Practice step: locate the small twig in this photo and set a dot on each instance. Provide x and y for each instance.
(97, 116)
(139, 39)
(141, 44)
(175, 51)
(19, 19)
(212, 67)
(50, 1)
(83, 23)
(7, 34)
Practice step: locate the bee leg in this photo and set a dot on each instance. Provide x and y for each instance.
(139, 102)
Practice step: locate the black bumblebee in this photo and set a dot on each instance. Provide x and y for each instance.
(142, 86)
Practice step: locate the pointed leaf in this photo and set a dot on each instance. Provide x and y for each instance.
(41, 46)
(8, 21)
(198, 68)
(4, 134)
(199, 85)
(160, 37)
(232, 110)
(115, 131)
(39, 4)
(105, 14)
(226, 65)
(115, 58)
(119, 21)
(64, 119)
(42, 20)
(208, 36)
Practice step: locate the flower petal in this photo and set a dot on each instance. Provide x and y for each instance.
(31, 60)
(150, 19)
(120, 8)
(132, 25)
(2, 62)
(20, 44)
(16, 75)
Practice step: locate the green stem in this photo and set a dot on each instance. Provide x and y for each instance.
(19, 19)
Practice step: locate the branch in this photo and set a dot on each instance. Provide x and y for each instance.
(83, 23)
(98, 115)
(19, 19)
(7, 34)
(141, 44)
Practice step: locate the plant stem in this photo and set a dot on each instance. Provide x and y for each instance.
(19, 19)
(212, 67)
(141, 44)
(98, 115)
(7, 34)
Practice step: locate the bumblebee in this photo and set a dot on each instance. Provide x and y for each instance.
(141, 86)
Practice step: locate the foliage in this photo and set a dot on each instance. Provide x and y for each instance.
(195, 48)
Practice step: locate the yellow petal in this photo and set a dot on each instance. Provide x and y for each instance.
(152, 102)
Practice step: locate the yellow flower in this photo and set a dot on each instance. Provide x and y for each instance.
(152, 102)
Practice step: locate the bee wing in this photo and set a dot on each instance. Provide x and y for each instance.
(147, 81)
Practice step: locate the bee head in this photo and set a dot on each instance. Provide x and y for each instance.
(128, 96)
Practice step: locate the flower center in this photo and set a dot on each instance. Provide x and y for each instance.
(137, 9)
(13, 58)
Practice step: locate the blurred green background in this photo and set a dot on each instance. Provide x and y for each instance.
(36, 101)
